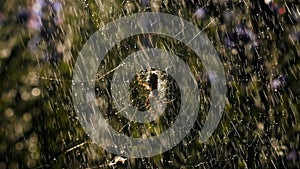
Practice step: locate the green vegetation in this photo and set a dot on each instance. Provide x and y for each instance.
(260, 127)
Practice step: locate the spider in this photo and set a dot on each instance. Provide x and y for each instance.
(147, 85)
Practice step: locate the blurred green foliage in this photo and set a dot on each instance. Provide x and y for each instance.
(260, 126)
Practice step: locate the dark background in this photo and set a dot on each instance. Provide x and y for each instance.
(260, 125)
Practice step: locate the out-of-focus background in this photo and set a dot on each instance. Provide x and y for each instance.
(257, 41)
